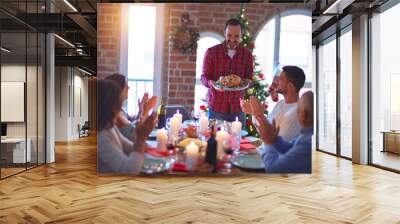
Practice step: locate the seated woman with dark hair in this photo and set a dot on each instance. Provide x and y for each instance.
(117, 154)
(125, 122)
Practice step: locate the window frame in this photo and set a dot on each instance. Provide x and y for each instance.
(333, 37)
(379, 10)
(159, 44)
(212, 35)
(205, 34)
(278, 17)
(292, 12)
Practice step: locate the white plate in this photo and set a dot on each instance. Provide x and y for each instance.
(220, 87)
(154, 165)
(251, 139)
(251, 161)
(153, 133)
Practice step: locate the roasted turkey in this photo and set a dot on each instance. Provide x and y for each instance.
(230, 81)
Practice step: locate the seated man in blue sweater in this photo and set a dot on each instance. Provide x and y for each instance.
(278, 155)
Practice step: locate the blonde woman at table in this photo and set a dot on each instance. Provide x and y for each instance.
(117, 154)
(125, 122)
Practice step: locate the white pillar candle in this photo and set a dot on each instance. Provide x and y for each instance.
(192, 155)
(162, 139)
(179, 116)
(175, 126)
(221, 137)
(236, 126)
(203, 121)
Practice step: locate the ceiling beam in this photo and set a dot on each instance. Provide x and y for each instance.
(337, 7)
(84, 24)
(82, 61)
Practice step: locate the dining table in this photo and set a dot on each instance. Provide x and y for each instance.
(176, 160)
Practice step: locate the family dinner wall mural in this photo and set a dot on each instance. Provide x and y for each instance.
(148, 124)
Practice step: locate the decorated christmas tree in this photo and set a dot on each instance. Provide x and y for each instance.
(259, 88)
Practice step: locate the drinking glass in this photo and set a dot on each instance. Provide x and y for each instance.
(168, 124)
(234, 141)
(172, 155)
(195, 115)
(227, 159)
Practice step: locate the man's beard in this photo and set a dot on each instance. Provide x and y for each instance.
(281, 91)
(232, 44)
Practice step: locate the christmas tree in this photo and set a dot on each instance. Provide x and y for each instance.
(259, 88)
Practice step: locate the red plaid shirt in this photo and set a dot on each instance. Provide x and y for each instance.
(218, 63)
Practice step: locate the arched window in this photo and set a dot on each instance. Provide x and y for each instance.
(265, 49)
(207, 40)
(295, 43)
(285, 40)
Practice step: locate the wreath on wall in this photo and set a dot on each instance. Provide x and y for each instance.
(185, 38)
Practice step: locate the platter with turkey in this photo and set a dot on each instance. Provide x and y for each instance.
(231, 83)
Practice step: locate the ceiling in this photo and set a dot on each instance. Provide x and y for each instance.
(72, 20)
(330, 15)
(76, 22)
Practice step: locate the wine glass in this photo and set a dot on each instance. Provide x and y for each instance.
(171, 151)
(228, 157)
(234, 141)
(218, 124)
(194, 118)
(168, 127)
(195, 115)
(168, 123)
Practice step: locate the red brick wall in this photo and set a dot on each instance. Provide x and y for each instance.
(179, 71)
(108, 38)
(207, 17)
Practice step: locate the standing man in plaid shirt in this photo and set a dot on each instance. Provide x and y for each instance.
(224, 59)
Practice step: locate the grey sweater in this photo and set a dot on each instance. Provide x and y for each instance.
(117, 154)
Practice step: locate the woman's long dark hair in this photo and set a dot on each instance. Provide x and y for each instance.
(119, 79)
(108, 103)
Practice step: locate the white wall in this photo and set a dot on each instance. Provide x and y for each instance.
(16, 73)
(33, 127)
(71, 102)
(80, 109)
(61, 104)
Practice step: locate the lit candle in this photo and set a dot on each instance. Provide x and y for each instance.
(179, 116)
(192, 155)
(162, 139)
(221, 137)
(203, 123)
(175, 126)
(236, 126)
